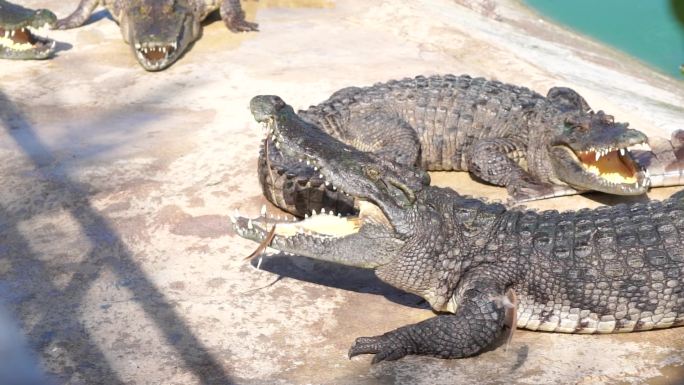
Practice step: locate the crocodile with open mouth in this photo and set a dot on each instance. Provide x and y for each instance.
(18, 37)
(160, 31)
(479, 265)
(536, 146)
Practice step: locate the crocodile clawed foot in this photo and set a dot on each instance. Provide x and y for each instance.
(384, 348)
(525, 192)
(242, 26)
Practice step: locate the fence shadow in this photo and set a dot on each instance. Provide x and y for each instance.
(50, 314)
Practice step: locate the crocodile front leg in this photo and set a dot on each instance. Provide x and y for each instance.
(497, 161)
(79, 16)
(477, 323)
(234, 17)
(385, 134)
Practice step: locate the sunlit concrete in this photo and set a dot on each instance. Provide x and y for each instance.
(117, 261)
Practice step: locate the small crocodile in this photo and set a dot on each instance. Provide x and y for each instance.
(18, 39)
(160, 31)
(536, 146)
(605, 270)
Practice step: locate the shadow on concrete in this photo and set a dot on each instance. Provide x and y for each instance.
(31, 280)
(338, 276)
(19, 365)
(612, 200)
(53, 313)
(61, 46)
(97, 16)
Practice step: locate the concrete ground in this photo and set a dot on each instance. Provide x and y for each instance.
(117, 261)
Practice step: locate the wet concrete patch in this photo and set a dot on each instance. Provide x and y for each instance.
(203, 226)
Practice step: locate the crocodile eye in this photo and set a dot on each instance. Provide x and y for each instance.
(577, 124)
(373, 173)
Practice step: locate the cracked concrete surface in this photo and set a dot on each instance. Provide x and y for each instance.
(117, 263)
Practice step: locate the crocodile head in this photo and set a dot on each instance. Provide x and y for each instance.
(298, 139)
(591, 152)
(18, 38)
(383, 194)
(401, 229)
(159, 31)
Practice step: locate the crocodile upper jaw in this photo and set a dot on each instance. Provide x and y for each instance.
(610, 170)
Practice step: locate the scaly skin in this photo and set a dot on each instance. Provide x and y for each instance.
(160, 31)
(607, 270)
(503, 134)
(17, 40)
(664, 163)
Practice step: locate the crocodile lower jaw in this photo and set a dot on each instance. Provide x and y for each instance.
(318, 225)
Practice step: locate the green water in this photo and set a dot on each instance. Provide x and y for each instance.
(651, 30)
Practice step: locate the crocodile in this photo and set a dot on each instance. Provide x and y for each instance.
(604, 270)
(18, 38)
(160, 31)
(537, 147)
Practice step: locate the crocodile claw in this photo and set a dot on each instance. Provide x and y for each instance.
(524, 192)
(384, 348)
(242, 26)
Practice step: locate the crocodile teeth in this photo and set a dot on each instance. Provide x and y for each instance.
(622, 151)
(250, 225)
(263, 210)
